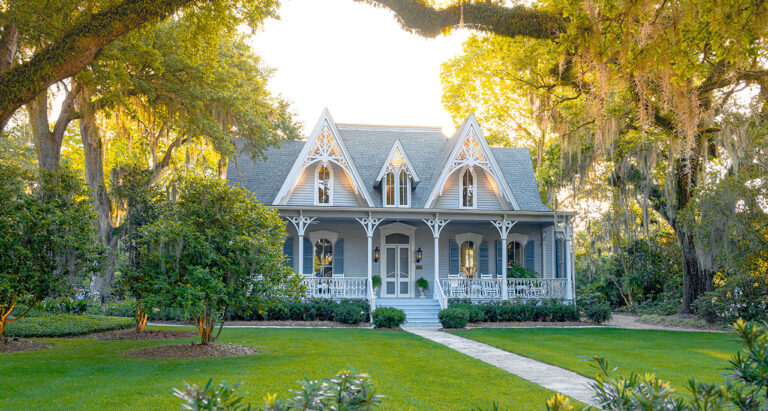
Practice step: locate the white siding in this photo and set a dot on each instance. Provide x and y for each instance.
(486, 197)
(343, 190)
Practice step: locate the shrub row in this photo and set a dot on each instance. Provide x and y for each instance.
(63, 325)
(515, 311)
(453, 317)
(388, 317)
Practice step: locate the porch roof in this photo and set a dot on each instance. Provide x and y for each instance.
(419, 213)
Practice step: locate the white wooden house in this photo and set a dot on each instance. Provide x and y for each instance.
(406, 203)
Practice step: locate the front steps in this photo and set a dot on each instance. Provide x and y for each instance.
(419, 312)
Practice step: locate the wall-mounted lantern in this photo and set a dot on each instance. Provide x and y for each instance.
(419, 255)
(376, 255)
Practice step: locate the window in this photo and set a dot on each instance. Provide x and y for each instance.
(467, 191)
(323, 266)
(397, 189)
(514, 253)
(467, 256)
(323, 186)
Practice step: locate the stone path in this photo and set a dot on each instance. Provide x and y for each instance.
(548, 376)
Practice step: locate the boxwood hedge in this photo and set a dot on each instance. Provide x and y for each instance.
(63, 325)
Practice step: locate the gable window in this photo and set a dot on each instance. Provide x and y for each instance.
(467, 189)
(323, 258)
(468, 260)
(397, 189)
(514, 253)
(323, 187)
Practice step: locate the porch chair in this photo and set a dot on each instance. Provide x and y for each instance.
(454, 285)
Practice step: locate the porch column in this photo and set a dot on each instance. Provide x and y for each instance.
(369, 225)
(436, 226)
(568, 264)
(301, 223)
(503, 226)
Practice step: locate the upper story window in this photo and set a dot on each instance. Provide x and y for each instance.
(467, 189)
(397, 188)
(323, 186)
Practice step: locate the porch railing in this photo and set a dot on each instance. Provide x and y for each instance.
(492, 289)
(327, 287)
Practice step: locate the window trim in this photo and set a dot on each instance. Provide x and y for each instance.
(474, 189)
(397, 173)
(330, 185)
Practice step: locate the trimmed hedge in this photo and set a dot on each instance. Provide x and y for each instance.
(388, 317)
(453, 317)
(63, 325)
(510, 311)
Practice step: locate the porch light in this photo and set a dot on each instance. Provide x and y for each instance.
(419, 254)
(376, 255)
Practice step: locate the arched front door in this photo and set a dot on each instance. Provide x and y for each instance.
(397, 266)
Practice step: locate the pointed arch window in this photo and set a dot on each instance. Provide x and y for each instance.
(323, 186)
(467, 189)
(390, 191)
(397, 188)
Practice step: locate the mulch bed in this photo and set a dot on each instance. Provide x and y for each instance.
(131, 334)
(531, 324)
(17, 344)
(193, 351)
(287, 323)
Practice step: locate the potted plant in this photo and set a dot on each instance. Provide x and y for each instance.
(422, 284)
(376, 283)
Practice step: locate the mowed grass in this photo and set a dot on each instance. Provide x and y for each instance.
(672, 355)
(413, 373)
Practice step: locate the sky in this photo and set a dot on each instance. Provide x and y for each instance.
(358, 62)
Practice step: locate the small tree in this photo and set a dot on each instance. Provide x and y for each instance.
(46, 236)
(214, 249)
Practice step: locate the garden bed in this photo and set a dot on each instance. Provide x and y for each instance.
(193, 351)
(131, 334)
(65, 325)
(16, 345)
(284, 323)
(532, 324)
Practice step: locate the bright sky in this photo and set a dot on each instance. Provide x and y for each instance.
(356, 60)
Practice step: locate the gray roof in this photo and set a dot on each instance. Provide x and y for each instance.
(426, 148)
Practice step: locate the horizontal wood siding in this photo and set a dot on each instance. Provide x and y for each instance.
(303, 193)
(486, 197)
(343, 190)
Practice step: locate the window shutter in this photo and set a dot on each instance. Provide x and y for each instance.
(308, 260)
(288, 251)
(453, 257)
(530, 260)
(338, 257)
(557, 258)
(499, 270)
(483, 257)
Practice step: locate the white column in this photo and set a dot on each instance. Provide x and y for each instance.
(437, 263)
(436, 226)
(503, 226)
(301, 223)
(369, 225)
(567, 265)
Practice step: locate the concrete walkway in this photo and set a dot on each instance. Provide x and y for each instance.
(548, 376)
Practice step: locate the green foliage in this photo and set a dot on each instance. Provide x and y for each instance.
(388, 317)
(376, 281)
(214, 249)
(422, 283)
(220, 397)
(315, 309)
(46, 235)
(514, 311)
(68, 305)
(738, 296)
(475, 312)
(453, 317)
(518, 271)
(598, 313)
(349, 314)
(63, 325)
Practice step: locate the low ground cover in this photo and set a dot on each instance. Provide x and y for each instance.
(671, 355)
(62, 325)
(412, 373)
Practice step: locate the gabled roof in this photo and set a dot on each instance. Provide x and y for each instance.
(323, 145)
(466, 154)
(368, 148)
(398, 153)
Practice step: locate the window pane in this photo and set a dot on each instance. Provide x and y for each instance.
(390, 189)
(514, 253)
(467, 189)
(323, 185)
(467, 257)
(404, 193)
(323, 264)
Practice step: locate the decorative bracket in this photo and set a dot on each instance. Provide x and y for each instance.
(436, 224)
(369, 223)
(301, 222)
(503, 225)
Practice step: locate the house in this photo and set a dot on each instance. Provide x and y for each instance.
(406, 203)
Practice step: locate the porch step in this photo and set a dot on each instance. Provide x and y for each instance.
(419, 312)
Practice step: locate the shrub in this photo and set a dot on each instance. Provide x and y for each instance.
(475, 312)
(518, 271)
(742, 296)
(376, 281)
(348, 314)
(598, 313)
(453, 317)
(422, 283)
(63, 325)
(388, 317)
(453, 301)
(278, 312)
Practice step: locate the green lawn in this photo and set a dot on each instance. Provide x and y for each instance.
(412, 372)
(672, 355)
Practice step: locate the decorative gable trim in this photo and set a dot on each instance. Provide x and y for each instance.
(324, 145)
(398, 158)
(472, 150)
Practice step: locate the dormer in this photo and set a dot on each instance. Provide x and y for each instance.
(397, 178)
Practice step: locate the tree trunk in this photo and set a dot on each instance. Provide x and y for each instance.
(47, 141)
(93, 158)
(222, 167)
(9, 45)
(2, 331)
(141, 319)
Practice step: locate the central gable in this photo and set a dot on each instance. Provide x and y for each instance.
(324, 148)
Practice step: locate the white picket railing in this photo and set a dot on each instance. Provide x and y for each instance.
(327, 287)
(492, 289)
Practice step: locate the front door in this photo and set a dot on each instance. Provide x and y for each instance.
(397, 277)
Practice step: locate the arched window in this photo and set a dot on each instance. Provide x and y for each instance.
(323, 185)
(323, 257)
(404, 192)
(467, 192)
(468, 260)
(514, 253)
(390, 191)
